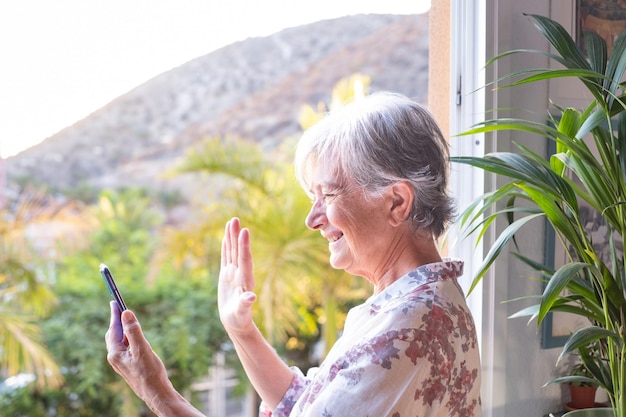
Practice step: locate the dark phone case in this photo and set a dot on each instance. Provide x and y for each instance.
(108, 279)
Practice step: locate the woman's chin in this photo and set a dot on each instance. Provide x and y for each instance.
(335, 262)
(340, 262)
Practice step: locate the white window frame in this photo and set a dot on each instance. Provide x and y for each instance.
(467, 107)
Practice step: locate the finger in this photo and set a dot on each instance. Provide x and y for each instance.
(225, 259)
(235, 229)
(245, 259)
(132, 330)
(246, 299)
(115, 321)
(115, 335)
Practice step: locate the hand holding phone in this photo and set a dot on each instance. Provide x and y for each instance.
(108, 279)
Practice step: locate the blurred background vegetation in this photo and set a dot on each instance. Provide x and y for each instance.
(54, 304)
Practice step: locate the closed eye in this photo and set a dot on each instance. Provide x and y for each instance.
(326, 197)
(329, 198)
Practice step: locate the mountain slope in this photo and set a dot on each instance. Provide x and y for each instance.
(252, 89)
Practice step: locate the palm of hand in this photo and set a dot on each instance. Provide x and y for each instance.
(236, 280)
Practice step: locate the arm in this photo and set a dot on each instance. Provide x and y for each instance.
(131, 356)
(269, 375)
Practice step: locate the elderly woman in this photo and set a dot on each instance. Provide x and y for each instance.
(376, 171)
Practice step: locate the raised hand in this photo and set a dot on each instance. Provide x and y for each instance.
(236, 281)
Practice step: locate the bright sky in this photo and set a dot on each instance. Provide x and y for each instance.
(60, 60)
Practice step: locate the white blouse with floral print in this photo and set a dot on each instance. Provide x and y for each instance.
(410, 351)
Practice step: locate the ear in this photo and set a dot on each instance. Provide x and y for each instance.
(401, 199)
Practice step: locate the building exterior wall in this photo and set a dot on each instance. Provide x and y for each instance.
(439, 63)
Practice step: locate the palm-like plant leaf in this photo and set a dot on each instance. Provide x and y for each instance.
(25, 294)
(22, 350)
(589, 165)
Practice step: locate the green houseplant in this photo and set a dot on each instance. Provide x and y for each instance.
(592, 170)
(580, 382)
(582, 393)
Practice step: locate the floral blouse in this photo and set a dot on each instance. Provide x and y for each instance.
(410, 351)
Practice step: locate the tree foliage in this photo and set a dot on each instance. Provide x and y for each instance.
(167, 275)
(177, 308)
(298, 292)
(25, 289)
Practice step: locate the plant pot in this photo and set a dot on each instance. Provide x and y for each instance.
(582, 396)
(590, 412)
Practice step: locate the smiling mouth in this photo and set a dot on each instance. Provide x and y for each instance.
(335, 238)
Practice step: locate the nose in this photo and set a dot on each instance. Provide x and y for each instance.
(317, 216)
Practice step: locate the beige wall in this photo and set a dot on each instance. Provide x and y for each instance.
(439, 68)
(439, 63)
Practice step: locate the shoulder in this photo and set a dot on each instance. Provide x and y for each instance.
(421, 289)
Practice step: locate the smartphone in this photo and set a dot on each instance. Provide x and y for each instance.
(108, 279)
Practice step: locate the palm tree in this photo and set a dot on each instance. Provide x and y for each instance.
(291, 262)
(25, 293)
(268, 200)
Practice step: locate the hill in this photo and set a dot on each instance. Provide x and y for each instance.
(251, 89)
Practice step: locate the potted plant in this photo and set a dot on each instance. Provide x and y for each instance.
(580, 382)
(582, 392)
(590, 284)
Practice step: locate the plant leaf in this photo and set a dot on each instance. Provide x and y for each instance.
(557, 284)
(586, 335)
(499, 245)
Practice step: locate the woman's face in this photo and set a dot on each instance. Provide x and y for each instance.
(355, 225)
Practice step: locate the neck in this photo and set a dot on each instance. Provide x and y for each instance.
(417, 253)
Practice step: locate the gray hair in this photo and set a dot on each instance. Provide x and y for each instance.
(380, 140)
